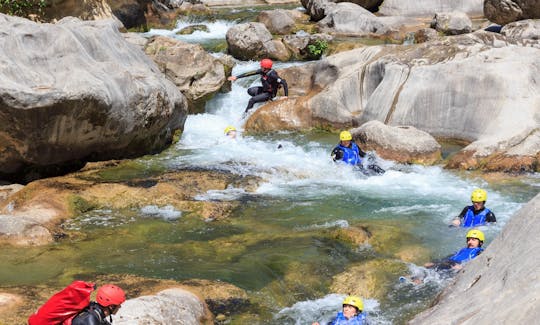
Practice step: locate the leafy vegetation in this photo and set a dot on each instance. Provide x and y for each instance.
(317, 49)
(22, 7)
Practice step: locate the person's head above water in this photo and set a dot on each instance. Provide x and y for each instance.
(352, 305)
(345, 137)
(230, 131)
(475, 238)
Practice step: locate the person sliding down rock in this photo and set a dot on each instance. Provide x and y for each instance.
(270, 81)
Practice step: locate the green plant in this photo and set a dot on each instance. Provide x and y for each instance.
(22, 7)
(317, 48)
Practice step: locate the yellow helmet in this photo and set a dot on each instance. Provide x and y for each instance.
(229, 129)
(345, 136)
(475, 233)
(354, 301)
(479, 195)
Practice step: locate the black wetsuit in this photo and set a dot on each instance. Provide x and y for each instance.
(270, 83)
(92, 315)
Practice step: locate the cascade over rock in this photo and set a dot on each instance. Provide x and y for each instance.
(76, 91)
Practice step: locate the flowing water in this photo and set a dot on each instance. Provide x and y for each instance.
(279, 229)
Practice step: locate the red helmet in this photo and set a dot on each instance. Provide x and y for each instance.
(266, 63)
(110, 294)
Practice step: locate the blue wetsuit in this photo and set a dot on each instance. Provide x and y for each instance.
(359, 319)
(466, 254)
(471, 218)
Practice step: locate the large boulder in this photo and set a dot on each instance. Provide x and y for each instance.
(85, 10)
(196, 73)
(500, 281)
(253, 41)
(349, 18)
(426, 8)
(277, 21)
(452, 23)
(404, 144)
(75, 91)
(506, 11)
(130, 12)
(170, 306)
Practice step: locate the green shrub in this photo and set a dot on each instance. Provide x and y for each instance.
(22, 7)
(317, 49)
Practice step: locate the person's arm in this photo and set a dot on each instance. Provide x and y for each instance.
(361, 153)
(337, 154)
(245, 74)
(457, 220)
(490, 217)
(283, 82)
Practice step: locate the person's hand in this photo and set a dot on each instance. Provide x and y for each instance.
(457, 267)
(316, 323)
(429, 264)
(456, 222)
(232, 78)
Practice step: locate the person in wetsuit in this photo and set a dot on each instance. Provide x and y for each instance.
(476, 214)
(348, 152)
(109, 298)
(270, 81)
(475, 240)
(352, 313)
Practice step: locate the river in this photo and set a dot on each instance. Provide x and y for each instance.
(302, 193)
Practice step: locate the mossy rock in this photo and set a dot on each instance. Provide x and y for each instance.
(370, 279)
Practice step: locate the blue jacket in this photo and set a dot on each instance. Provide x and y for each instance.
(359, 319)
(471, 220)
(466, 254)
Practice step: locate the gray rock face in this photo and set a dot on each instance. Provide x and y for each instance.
(506, 11)
(452, 23)
(277, 21)
(76, 90)
(404, 144)
(253, 41)
(523, 29)
(171, 306)
(196, 73)
(316, 9)
(424, 8)
(502, 284)
(351, 18)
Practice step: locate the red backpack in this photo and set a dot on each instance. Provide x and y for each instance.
(64, 305)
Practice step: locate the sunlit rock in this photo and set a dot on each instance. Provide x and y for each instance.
(79, 91)
(196, 73)
(171, 306)
(428, 8)
(404, 144)
(452, 23)
(277, 21)
(251, 41)
(523, 29)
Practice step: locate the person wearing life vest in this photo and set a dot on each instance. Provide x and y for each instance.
(347, 150)
(109, 298)
(475, 240)
(230, 132)
(270, 81)
(352, 313)
(476, 214)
